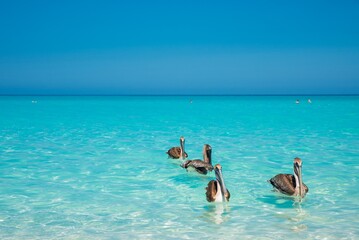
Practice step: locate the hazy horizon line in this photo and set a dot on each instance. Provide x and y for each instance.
(168, 95)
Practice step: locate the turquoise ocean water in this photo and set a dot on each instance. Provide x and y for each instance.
(96, 168)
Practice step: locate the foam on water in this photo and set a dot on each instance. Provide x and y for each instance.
(96, 168)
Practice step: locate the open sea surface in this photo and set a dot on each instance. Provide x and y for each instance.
(96, 167)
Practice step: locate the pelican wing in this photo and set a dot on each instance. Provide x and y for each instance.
(211, 191)
(174, 152)
(285, 183)
(306, 188)
(199, 165)
(228, 195)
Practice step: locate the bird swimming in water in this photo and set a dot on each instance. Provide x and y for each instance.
(178, 152)
(216, 190)
(290, 184)
(201, 166)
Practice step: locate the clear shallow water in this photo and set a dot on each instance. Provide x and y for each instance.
(96, 168)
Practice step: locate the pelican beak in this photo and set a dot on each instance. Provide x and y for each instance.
(182, 148)
(219, 177)
(298, 172)
(300, 180)
(209, 154)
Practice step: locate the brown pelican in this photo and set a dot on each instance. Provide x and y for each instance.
(201, 166)
(216, 190)
(290, 184)
(178, 152)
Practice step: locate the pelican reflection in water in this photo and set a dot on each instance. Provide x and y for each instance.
(216, 213)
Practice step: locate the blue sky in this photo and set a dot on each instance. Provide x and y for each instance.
(179, 47)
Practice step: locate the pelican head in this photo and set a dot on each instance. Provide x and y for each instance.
(298, 175)
(207, 153)
(219, 177)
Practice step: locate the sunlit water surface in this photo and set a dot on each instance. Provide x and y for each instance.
(96, 167)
